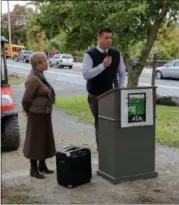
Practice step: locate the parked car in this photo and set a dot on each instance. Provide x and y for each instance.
(24, 56)
(169, 70)
(61, 61)
(10, 129)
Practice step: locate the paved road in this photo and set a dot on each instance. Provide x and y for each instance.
(165, 87)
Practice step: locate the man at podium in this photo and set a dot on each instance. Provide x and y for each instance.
(103, 69)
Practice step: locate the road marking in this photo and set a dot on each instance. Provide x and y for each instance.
(67, 74)
(163, 86)
(75, 75)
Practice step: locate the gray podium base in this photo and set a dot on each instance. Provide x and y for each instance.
(127, 178)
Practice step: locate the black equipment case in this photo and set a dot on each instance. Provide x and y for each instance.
(73, 166)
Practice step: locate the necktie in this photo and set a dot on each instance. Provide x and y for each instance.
(105, 52)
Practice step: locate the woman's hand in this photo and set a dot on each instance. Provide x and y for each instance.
(24, 112)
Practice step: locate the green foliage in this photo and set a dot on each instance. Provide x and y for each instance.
(167, 46)
(19, 19)
(80, 20)
(135, 49)
(35, 37)
(58, 43)
(135, 24)
(72, 26)
(53, 17)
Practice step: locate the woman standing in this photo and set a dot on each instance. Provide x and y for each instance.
(37, 103)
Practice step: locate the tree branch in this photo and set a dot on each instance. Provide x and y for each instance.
(152, 36)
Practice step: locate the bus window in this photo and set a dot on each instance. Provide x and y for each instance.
(15, 49)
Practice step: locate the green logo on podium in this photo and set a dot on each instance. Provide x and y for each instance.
(136, 107)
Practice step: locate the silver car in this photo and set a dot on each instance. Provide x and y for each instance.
(61, 61)
(24, 56)
(169, 70)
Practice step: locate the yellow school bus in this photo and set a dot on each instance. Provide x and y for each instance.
(15, 50)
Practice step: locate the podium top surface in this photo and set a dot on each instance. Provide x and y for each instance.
(117, 89)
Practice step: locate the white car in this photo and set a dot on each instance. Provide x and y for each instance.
(169, 70)
(61, 61)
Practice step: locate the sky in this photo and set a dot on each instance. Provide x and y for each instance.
(11, 5)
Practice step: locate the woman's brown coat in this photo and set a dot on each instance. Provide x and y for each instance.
(35, 98)
(39, 142)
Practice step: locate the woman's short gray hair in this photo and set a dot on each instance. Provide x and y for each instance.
(37, 58)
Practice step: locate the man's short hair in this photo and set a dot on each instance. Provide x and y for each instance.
(104, 30)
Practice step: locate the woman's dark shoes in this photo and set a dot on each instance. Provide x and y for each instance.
(43, 168)
(35, 173)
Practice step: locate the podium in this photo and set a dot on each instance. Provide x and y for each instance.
(126, 119)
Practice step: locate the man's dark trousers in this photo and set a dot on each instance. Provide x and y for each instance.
(93, 104)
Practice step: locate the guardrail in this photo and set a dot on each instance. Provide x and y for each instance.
(158, 63)
(148, 63)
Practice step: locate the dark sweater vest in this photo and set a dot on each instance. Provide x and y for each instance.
(104, 81)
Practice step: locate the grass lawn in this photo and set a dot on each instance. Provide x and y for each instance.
(167, 122)
(15, 79)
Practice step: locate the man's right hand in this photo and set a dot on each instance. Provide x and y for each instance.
(107, 61)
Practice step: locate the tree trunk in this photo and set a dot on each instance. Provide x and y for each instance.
(131, 73)
(134, 74)
(133, 78)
